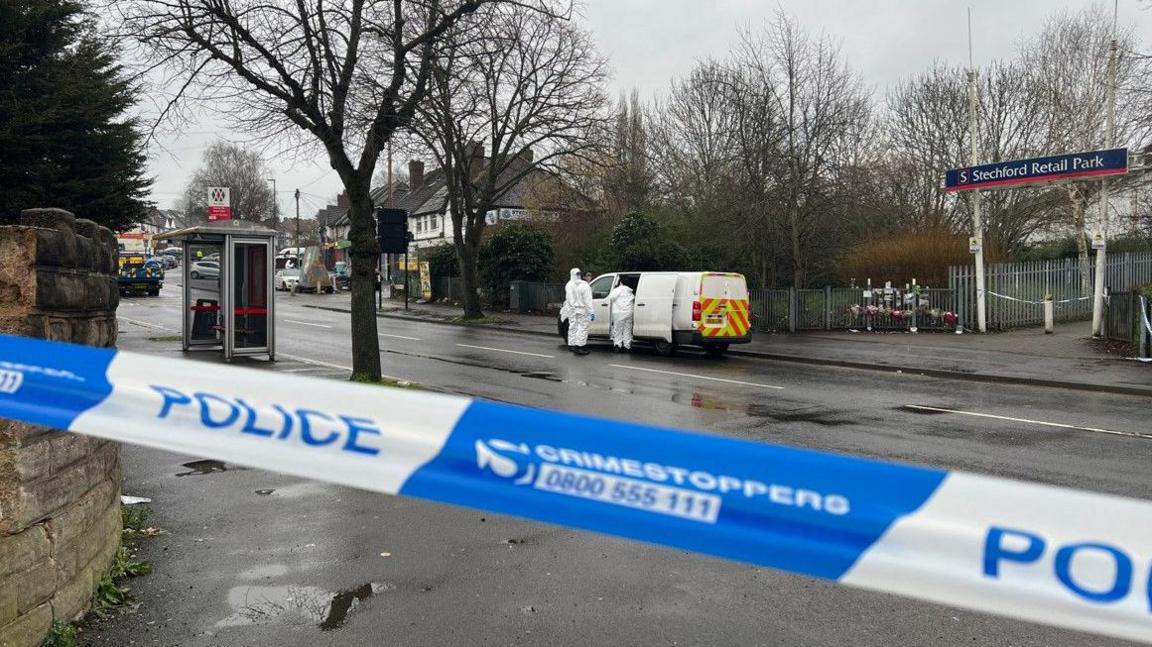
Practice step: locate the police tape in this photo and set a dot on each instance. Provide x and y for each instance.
(1035, 303)
(1041, 553)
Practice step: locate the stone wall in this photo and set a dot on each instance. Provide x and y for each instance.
(59, 492)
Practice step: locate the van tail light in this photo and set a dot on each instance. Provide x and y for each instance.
(696, 310)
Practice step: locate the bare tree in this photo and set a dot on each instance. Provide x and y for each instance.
(692, 135)
(346, 74)
(523, 87)
(820, 102)
(627, 177)
(230, 165)
(1068, 60)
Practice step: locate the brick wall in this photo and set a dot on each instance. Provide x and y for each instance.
(59, 492)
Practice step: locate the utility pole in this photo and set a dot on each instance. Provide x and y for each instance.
(275, 202)
(297, 245)
(1110, 142)
(974, 159)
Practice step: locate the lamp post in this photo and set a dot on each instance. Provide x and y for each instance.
(275, 205)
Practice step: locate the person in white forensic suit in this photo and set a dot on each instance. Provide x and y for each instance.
(578, 305)
(622, 303)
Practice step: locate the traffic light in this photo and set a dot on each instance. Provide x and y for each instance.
(392, 230)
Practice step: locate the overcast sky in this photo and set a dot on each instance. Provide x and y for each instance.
(649, 42)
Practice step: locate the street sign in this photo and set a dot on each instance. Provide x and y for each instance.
(392, 230)
(219, 203)
(1098, 240)
(1039, 170)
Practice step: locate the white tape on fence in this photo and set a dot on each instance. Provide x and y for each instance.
(1053, 555)
(1035, 303)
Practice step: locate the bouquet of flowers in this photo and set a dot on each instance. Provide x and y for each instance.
(897, 314)
(935, 312)
(871, 310)
(855, 309)
(950, 318)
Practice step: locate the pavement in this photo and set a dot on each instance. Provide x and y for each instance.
(251, 557)
(1067, 358)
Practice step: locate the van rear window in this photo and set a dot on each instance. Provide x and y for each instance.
(724, 287)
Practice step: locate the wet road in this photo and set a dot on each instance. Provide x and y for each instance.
(252, 568)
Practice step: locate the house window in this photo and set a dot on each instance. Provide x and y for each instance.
(435, 223)
(419, 225)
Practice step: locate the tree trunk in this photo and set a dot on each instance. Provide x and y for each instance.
(365, 255)
(469, 276)
(1078, 222)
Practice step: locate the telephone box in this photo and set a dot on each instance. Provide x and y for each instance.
(228, 272)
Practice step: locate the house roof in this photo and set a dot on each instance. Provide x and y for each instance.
(431, 197)
(330, 214)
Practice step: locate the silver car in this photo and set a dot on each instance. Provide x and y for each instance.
(205, 270)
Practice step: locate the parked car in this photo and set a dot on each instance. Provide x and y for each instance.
(205, 270)
(163, 262)
(287, 279)
(673, 309)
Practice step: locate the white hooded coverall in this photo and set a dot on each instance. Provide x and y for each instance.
(622, 302)
(578, 303)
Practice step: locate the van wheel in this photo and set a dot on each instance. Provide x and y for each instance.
(195, 274)
(716, 350)
(664, 348)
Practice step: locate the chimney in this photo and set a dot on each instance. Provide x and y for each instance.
(476, 159)
(343, 201)
(415, 175)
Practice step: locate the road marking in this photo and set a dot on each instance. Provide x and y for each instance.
(696, 377)
(145, 324)
(314, 362)
(383, 334)
(501, 350)
(1045, 423)
(317, 362)
(305, 323)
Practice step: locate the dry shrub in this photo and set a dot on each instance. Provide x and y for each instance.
(899, 258)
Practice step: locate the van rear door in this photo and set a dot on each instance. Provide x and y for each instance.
(724, 311)
(654, 295)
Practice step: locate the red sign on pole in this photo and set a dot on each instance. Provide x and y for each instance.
(219, 203)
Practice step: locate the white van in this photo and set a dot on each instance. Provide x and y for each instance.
(706, 309)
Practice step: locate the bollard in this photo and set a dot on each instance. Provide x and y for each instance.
(1049, 309)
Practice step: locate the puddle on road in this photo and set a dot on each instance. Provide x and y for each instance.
(822, 417)
(199, 468)
(343, 603)
(700, 401)
(295, 605)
